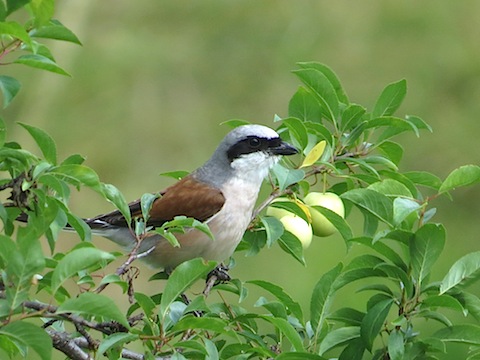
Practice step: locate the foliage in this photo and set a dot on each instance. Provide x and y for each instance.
(345, 148)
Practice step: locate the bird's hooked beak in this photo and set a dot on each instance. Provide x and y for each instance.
(283, 148)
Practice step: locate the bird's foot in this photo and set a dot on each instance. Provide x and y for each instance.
(215, 277)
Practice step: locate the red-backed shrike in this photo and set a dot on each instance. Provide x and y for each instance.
(222, 193)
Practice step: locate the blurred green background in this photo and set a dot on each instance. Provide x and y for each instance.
(154, 79)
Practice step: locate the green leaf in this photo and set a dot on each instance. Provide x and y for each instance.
(425, 248)
(179, 224)
(322, 297)
(44, 142)
(57, 32)
(398, 275)
(393, 124)
(402, 208)
(177, 356)
(304, 106)
(390, 99)
(3, 132)
(348, 316)
(240, 351)
(323, 89)
(193, 345)
(466, 334)
(205, 323)
(116, 198)
(463, 176)
(330, 75)
(320, 131)
(233, 123)
(470, 302)
(43, 10)
(392, 151)
(352, 116)
(291, 305)
(22, 159)
(380, 160)
(349, 139)
(298, 356)
(253, 242)
(373, 322)
(424, 178)
(463, 271)
(10, 347)
(396, 345)
(15, 30)
(275, 308)
(288, 330)
(435, 315)
(10, 88)
(297, 130)
(382, 249)
(29, 335)
(445, 301)
(292, 245)
(94, 305)
(14, 5)
(146, 303)
(211, 348)
(353, 351)
(23, 260)
(390, 187)
(379, 288)
(76, 260)
(293, 206)
(371, 201)
(146, 202)
(273, 228)
(113, 341)
(337, 221)
(177, 175)
(182, 278)
(79, 174)
(286, 177)
(360, 267)
(115, 279)
(418, 122)
(338, 337)
(75, 159)
(40, 62)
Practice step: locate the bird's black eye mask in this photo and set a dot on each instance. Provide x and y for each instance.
(253, 144)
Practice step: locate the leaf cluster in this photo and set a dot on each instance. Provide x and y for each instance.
(21, 43)
(399, 241)
(345, 148)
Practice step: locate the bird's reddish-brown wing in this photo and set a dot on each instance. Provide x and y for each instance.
(187, 197)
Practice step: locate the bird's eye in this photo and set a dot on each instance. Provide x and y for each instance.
(254, 142)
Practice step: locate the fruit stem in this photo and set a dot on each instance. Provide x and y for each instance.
(324, 183)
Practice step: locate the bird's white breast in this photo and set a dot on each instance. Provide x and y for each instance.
(228, 227)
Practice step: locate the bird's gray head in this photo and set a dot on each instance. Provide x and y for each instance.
(248, 151)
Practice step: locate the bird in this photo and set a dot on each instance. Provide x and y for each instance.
(221, 193)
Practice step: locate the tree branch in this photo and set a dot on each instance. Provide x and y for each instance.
(63, 342)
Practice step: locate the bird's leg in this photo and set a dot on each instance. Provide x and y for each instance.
(215, 277)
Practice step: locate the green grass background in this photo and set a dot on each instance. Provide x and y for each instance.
(154, 79)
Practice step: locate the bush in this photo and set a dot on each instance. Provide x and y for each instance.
(346, 149)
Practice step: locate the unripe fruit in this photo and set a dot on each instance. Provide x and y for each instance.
(293, 223)
(320, 224)
(276, 211)
(298, 227)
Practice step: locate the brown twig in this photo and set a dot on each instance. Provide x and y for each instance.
(73, 347)
(64, 343)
